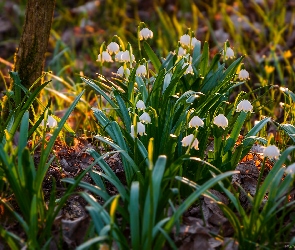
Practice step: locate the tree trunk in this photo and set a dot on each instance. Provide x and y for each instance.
(30, 55)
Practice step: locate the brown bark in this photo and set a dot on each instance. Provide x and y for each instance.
(30, 56)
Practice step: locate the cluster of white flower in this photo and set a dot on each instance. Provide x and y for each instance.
(187, 44)
(143, 119)
(124, 56)
(190, 140)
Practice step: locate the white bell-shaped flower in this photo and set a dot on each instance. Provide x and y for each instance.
(121, 71)
(104, 57)
(271, 151)
(181, 51)
(145, 34)
(185, 40)
(118, 56)
(145, 118)
(140, 129)
(141, 70)
(196, 122)
(194, 42)
(244, 105)
(140, 105)
(189, 69)
(190, 140)
(229, 53)
(221, 121)
(291, 169)
(113, 48)
(243, 74)
(126, 57)
(51, 122)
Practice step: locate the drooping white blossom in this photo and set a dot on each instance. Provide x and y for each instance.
(140, 105)
(118, 56)
(221, 121)
(185, 40)
(244, 105)
(196, 122)
(51, 122)
(271, 151)
(291, 169)
(104, 57)
(145, 118)
(140, 129)
(181, 51)
(194, 42)
(121, 71)
(243, 74)
(145, 34)
(189, 69)
(141, 70)
(126, 57)
(190, 140)
(113, 47)
(229, 53)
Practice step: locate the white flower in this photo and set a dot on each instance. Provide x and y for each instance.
(291, 169)
(104, 57)
(125, 57)
(140, 129)
(196, 121)
(271, 152)
(141, 70)
(221, 121)
(140, 105)
(121, 71)
(194, 42)
(118, 56)
(243, 75)
(51, 122)
(244, 105)
(181, 51)
(145, 33)
(229, 53)
(113, 48)
(145, 118)
(189, 69)
(190, 140)
(185, 40)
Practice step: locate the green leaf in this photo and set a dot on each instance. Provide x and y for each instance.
(134, 219)
(204, 59)
(289, 129)
(230, 142)
(99, 91)
(23, 138)
(123, 111)
(157, 89)
(152, 56)
(23, 108)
